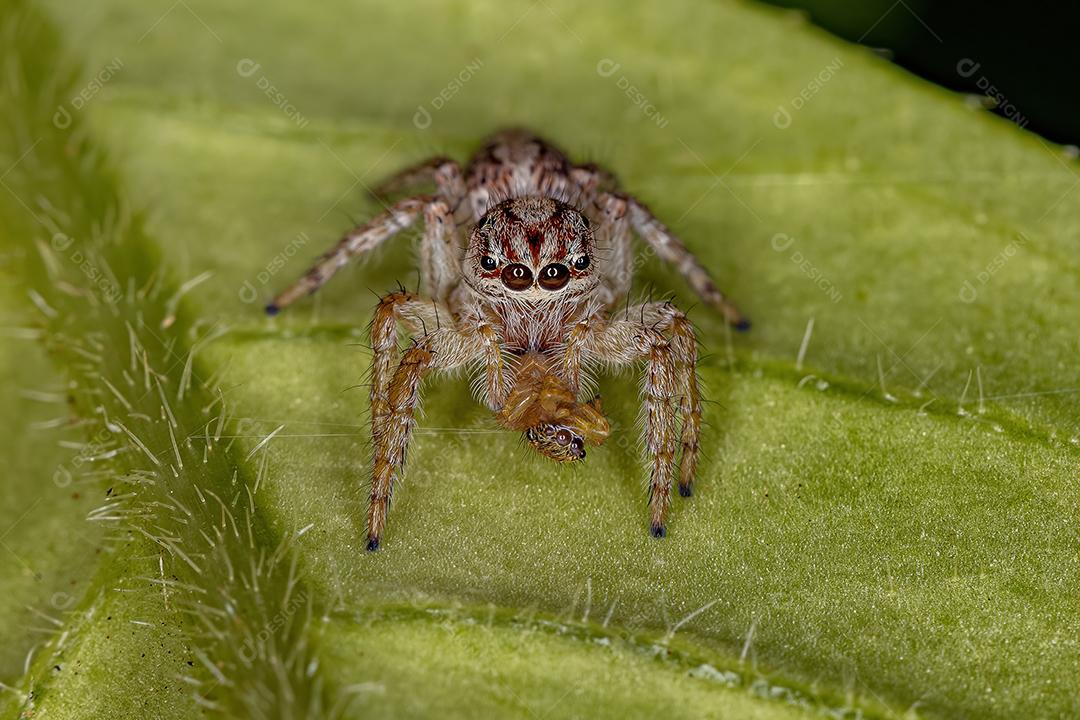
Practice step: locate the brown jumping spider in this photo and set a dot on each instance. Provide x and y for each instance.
(532, 300)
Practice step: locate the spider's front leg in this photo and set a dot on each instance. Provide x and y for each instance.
(666, 317)
(670, 389)
(416, 314)
(395, 397)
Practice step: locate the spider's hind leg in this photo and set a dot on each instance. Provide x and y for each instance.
(627, 342)
(445, 173)
(672, 250)
(356, 242)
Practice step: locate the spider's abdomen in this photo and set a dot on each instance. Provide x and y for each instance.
(515, 163)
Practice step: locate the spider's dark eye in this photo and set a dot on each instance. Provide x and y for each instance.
(577, 447)
(517, 277)
(554, 276)
(581, 263)
(563, 437)
(489, 263)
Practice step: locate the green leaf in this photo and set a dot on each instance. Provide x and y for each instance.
(885, 518)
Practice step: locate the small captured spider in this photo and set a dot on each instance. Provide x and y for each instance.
(525, 261)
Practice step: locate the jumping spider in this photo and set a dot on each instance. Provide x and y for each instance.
(532, 299)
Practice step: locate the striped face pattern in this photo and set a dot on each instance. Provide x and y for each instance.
(532, 249)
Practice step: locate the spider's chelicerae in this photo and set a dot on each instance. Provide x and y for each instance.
(526, 259)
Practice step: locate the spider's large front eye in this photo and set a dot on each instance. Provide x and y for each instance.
(517, 277)
(581, 263)
(563, 437)
(489, 263)
(554, 276)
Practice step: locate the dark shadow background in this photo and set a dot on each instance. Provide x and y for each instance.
(1024, 55)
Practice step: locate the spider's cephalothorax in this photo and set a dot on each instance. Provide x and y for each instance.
(525, 259)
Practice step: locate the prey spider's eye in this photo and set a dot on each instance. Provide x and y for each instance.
(563, 437)
(581, 263)
(517, 276)
(489, 263)
(554, 276)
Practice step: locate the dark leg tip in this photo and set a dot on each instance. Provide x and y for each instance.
(372, 544)
(658, 531)
(742, 326)
(272, 309)
(686, 491)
